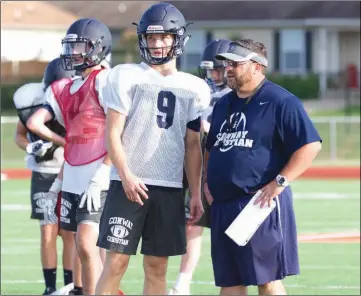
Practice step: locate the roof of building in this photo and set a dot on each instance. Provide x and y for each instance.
(34, 14)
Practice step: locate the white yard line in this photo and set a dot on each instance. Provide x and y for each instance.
(15, 207)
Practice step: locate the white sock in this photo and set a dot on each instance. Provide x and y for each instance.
(183, 282)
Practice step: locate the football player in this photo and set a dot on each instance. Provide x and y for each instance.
(44, 159)
(153, 125)
(80, 107)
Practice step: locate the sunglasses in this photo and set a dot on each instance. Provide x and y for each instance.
(233, 64)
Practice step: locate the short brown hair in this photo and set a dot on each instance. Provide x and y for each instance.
(255, 46)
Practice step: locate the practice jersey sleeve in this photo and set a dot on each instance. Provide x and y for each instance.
(51, 104)
(101, 88)
(294, 125)
(29, 95)
(117, 89)
(201, 102)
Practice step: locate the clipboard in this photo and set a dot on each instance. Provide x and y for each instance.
(248, 221)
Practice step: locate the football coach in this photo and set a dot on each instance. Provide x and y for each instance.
(261, 138)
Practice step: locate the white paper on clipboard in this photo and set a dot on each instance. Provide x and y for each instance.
(248, 221)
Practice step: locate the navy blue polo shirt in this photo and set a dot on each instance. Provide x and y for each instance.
(249, 144)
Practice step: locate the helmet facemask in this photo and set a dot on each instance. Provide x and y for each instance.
(80, 53)
(174, 51)
(215, 76)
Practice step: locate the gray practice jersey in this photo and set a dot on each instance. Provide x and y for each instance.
(158, 109)
(207, 114)
(27, 99)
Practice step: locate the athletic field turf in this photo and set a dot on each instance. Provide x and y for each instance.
(329, 266)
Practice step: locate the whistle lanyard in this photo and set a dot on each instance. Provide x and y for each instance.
(244, 107)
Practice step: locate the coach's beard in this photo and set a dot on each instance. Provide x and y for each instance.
(236, 83)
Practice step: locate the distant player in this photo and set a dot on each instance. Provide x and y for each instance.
(80, 107)
(213, 72)
(44, 159)
(153, 124)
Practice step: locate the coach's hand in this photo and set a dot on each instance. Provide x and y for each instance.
(134, 188)
(269, 192)
(196, 210)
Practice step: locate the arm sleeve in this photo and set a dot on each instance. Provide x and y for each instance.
(294, 125)
(116, 91)
(51, 104)
(200, 102)
(195, 125)
(100, 86)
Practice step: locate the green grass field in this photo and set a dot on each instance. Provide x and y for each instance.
(321, 206)
(350, 111)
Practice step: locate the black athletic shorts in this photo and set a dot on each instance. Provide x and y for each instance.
(160, 222)
(40, 182)
(71, 215)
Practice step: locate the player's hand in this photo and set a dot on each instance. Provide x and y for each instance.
(92, 195)
(135, 189)
(207, 193)
(38, 148)
(269, 192)
(47, 202)
(196, 210)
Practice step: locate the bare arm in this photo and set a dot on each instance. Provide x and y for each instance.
(107, 160)
(301, 160)
(36, 123)
(115, 126)
(133, 186)
(20, 136)
(193, 162)
(207, 193)
(205, 164)
(60, 174)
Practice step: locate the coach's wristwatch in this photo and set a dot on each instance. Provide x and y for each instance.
(282, 181)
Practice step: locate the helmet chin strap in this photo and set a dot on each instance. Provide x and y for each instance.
(186, 40)
(160, 60)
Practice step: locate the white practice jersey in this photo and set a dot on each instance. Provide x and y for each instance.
(207, 114)
(76, 179)
(29, 98)
(158, 109)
